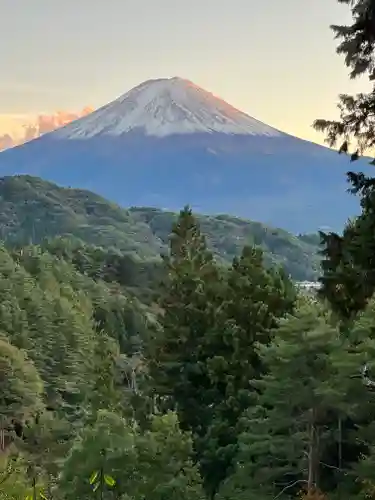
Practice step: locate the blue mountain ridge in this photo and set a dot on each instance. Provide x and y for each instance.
(282, 181)
(168, 143)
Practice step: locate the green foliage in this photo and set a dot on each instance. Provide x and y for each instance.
(188, 310)
(221, 383)
(227, 235)
(356, 122)
(297, 436)
(20, 388)
(205, 357)
(32, 210)
(154, 463)
(213, 393)
(64, 334)
(348, 263)
(100, 481)
(14, 483)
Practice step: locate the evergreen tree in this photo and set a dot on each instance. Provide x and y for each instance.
(14, 483)
(357, 45)
(255, 297)
(21, 392)
(152, 464)
(308, 388)
(188, 308)
(348, 266)
(189, 305)
(205, 357)
(349, 279)
(106, 394)
(361, 353)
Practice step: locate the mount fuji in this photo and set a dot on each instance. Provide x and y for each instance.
(168, 142)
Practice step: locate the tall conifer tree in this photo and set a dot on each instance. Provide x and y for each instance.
(348, 265)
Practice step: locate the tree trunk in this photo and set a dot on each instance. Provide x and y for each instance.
(313, 456)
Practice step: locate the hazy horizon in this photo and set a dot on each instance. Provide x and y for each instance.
(274, 60)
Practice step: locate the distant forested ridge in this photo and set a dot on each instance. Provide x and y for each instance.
(32, 209)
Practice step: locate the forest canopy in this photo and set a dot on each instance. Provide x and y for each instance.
(203, 376)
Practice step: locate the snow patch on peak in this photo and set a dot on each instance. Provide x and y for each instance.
(163, 107)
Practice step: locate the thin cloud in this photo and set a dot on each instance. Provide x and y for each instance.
(29, 127)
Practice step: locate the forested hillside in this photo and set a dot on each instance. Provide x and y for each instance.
(224, 384)
(185, 379)
(67, 341)
(32, 209)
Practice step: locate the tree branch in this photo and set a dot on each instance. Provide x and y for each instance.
(289, 486)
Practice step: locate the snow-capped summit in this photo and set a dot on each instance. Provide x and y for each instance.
(164, 107)
(167, 143)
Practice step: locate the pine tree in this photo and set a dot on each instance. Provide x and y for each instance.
(205, 358)
(360, 449)
(187, 314)
(349, 267)
(255, 297)
(105, 393)
(140, 464)
(189, 305)
(357, 45)
(307, 389)
(21, 392)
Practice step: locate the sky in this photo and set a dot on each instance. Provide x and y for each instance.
(273, 59)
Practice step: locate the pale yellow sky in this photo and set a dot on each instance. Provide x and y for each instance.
(273, 59)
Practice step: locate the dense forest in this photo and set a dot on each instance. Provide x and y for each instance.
(224, 384)
(32, 209)
(198, 377)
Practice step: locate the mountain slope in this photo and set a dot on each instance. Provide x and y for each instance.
(166, 107)
(168, 143)
(32, 209)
